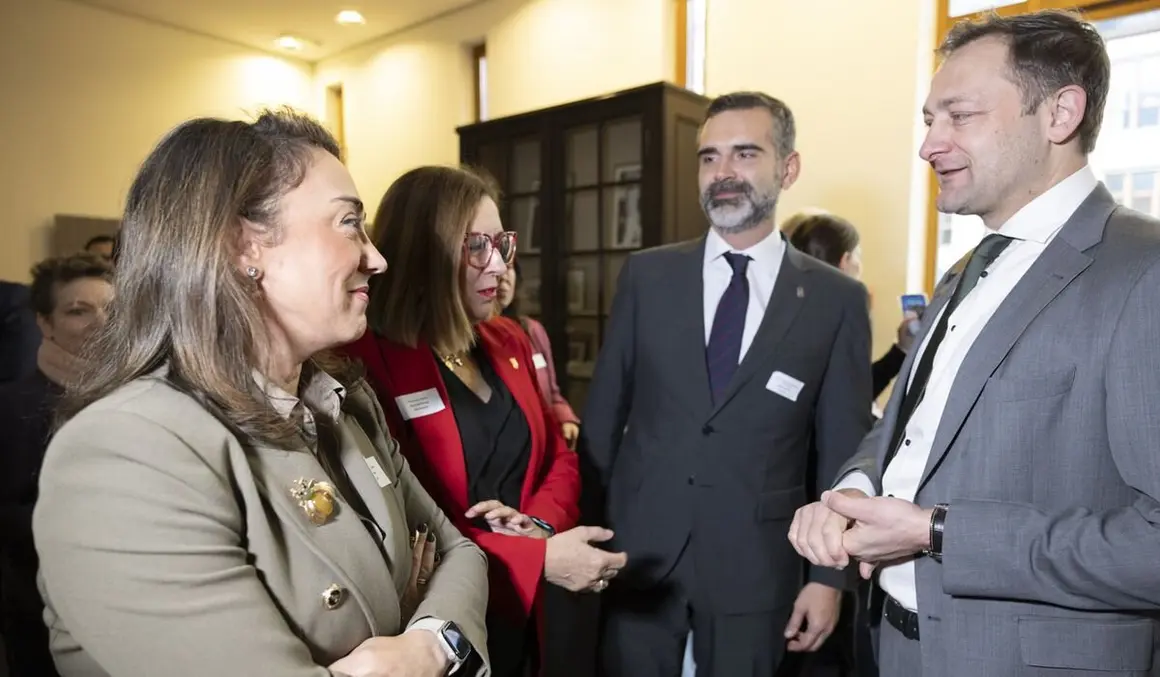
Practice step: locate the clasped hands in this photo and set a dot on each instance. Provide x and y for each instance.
(848, 525)
(570, 561)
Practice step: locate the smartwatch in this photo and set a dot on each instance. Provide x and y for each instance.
(456, 643)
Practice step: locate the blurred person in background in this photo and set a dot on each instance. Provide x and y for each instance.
(101, 245)
(69, 298)
(834, 240)
(509, 300)
(19, 335)
(223, 497)
(460, 392)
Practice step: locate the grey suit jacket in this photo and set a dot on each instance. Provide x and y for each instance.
(169, 547)
(1048, 454)
(733, 471)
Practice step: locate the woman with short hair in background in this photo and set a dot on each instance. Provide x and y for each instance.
(461, 394)
(223, 497)
(69, 298)
(509, 300)
(834, 240)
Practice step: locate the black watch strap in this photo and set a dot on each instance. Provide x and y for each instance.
(938, 519)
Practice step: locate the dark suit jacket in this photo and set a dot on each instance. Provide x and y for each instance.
(19, 335)
(734, 473)
(431, 444)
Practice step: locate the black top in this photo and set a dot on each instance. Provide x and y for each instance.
(495, 434)
(886, 368)
(496, 450)
(26, 416)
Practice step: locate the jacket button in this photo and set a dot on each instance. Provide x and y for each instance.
(333, 597)
(692, 480)
(707, 430)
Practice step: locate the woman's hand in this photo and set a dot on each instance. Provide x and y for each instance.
(411, 654)
(424, 549)
(573, 564)
(571, 433)
(504, 520)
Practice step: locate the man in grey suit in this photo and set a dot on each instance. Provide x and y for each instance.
(738, 365)
(1016, 525)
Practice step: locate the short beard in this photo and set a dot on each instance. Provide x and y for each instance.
(761, 209)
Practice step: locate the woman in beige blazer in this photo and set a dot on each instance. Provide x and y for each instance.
(223, 499)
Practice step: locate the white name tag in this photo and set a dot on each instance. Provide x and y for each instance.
(785, 385)
(377, 471)
(420, 404)
(539, 362)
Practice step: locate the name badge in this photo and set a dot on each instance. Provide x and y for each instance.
(785, 385)
(377, 470)
(539, 362)
(420, 404)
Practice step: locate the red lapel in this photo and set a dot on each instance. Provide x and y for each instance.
(437, 447)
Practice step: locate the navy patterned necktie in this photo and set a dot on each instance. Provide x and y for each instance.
(724, 350)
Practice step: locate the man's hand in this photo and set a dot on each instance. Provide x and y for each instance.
(885, 529)
(571, 433)
(816, 531)
(815, 613)
(411, 654)
(571, 563)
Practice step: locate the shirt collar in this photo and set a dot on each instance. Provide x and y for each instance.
(1040, 219)
(320, 392)
(765, 254)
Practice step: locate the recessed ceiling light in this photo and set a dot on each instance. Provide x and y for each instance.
(350, 17)
(290, 42)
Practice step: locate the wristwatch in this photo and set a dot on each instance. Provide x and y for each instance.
(454, 643)
(938, 520)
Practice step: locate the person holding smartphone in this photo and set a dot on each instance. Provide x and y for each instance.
(834, 240)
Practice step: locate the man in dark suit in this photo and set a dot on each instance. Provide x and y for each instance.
(19, 336)
(734, 370)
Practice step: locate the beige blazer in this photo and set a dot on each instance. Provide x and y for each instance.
(167, 547)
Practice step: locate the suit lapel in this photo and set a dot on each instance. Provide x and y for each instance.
(414, 370)
(1059, 264)
(507, 360)
(789, 294)
(689, 335)
(342, 538)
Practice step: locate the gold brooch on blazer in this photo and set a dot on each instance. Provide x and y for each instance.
(315, 498)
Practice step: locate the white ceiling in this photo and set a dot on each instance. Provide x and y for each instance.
(257, 23)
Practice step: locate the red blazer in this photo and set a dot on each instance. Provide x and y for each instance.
(432, 446)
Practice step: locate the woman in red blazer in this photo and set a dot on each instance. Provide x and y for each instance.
(460, 392)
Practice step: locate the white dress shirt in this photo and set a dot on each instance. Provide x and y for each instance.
(1032, 228)
(764, 265)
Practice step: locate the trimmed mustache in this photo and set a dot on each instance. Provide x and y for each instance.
(728, 186)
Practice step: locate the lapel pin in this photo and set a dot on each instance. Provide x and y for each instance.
(801, 293)
(515, 363)
(315, 498)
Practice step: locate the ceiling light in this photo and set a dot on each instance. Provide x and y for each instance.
(350, 17)
(290, 42)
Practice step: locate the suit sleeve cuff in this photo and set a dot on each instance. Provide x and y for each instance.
(856, 480)
(434, 625)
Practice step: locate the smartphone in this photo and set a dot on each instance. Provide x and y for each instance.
(914, 303)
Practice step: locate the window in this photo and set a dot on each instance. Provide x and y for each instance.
(696, 44)
(479, 61)
(957, 8)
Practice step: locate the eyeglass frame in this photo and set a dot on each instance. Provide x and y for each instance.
(494, 241)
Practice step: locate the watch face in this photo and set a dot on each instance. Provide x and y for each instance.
(456, 640)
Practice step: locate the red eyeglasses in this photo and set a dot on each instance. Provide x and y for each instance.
(478, 248)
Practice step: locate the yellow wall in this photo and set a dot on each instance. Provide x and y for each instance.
(405, 95)
(853, 73)
(85, 94)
